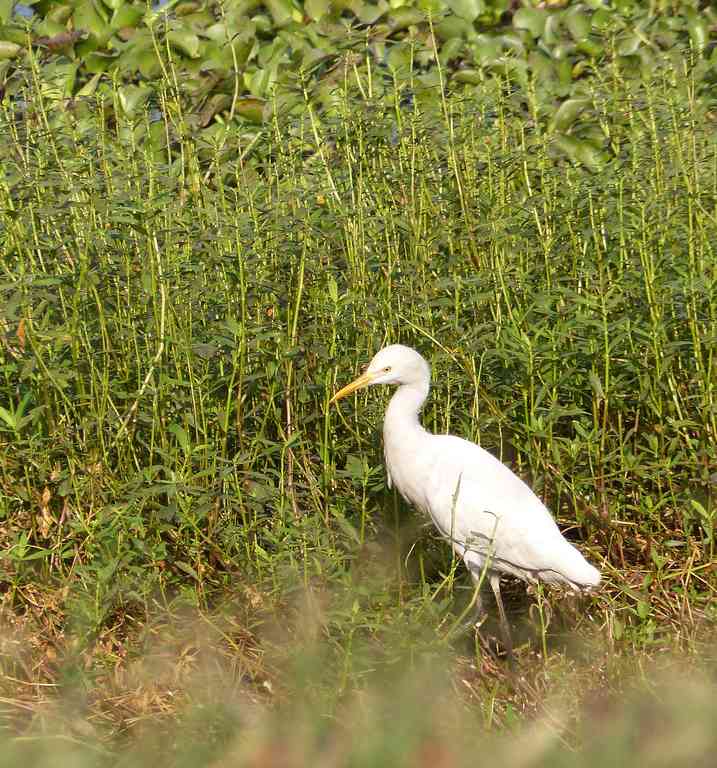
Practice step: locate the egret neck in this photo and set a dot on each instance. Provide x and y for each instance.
(403, 433)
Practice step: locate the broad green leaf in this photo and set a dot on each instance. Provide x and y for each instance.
(578, 23)
(401, 18)
(333, 289)
(146, 61)
(590, 47)
(551, 30)
(469, 76)
(399, 58)
(49, 28)
(542, 67)
(126, 15)
(283, 12)
(14, 35)
(182, 437)
(186, 9)
(581, 152)
(628, 43)
(9, 50)
(602, 18)
(186, 42)
(531, 19)
(251, 109)
(451, 49)
(9, 418)
(454, 27)
(434, 7)
(186, 568)
(485, 49)
(317, 9)
(216, 103)
(133, 97)
(6, 7)
(466, 9)
(90, 86)
(567, 113)
(86, 18)
(97, 61)
(368, 13)
(60, 13)
(698, 29)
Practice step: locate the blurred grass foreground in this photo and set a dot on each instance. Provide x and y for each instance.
(200, 562)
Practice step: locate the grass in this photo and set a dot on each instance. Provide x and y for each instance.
(200, 558)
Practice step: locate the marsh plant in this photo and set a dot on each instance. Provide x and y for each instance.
(199, 557)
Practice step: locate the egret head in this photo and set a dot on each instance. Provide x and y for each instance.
(394, 364)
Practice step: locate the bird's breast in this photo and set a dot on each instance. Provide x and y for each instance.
(406, 467)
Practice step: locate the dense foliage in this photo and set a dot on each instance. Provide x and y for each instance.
(206, 228)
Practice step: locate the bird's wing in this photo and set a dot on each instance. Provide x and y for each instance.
(480, 505)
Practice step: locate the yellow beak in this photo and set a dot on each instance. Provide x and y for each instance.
(363, 381)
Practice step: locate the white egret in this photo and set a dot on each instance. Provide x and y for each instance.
(493, 520)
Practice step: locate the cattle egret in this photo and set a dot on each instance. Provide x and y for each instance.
(493, 520)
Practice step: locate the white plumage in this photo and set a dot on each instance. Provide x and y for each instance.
(493, 520)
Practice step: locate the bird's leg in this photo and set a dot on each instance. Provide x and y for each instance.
(507, 639)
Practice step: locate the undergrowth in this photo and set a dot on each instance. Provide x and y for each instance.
(197, 550)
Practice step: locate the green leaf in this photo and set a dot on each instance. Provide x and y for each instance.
(147, 62)
(596, 385)
(531, 19)
(283, 12)
(133, 97)
(60, 14)
(6, 7)
(60, 77)
(399, 58)
(216, 103)
(469, 76)
(186, 568)
(451, 49)
(184, 41)
(402, 18)
(182, 437)
(317, 9)
(628, 43)
(9, 50)
(367, 13)
(90, 86)
(126, 16)
(581, 152)
(87, 18)
(14, 35)
(49, 28)
(698, 29)
(251, 109)
(578, 23)
(97, 62)
(467, 9)
(333, 289)
(567, 113)
(8, 418)
(453, 27)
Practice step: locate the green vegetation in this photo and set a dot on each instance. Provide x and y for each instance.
(200, 559)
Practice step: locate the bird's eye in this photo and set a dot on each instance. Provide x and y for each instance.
(387, 369)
